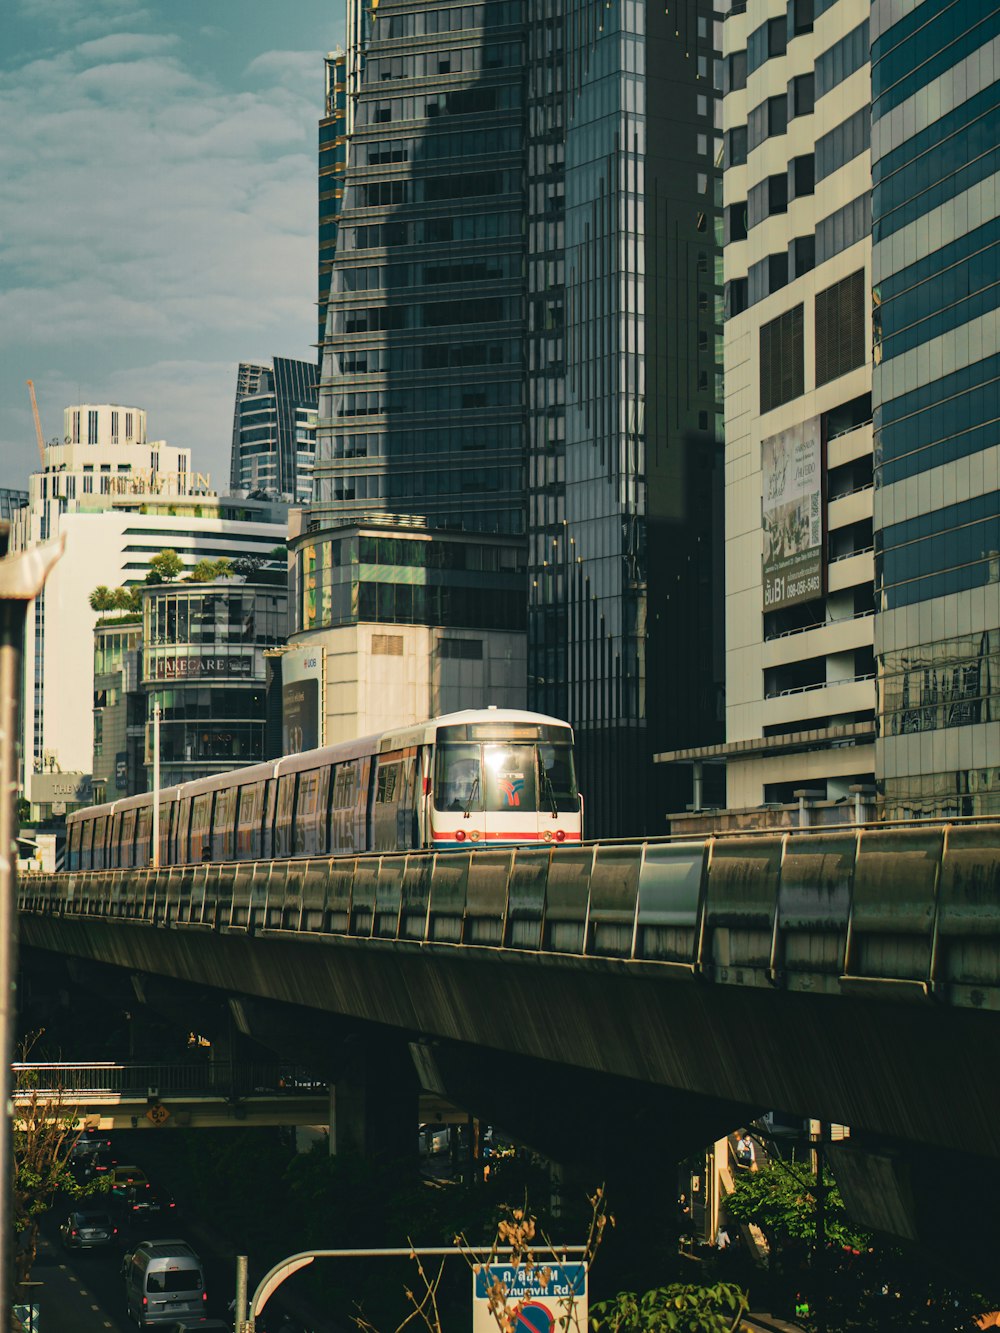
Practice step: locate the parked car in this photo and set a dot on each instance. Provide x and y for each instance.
(164, 1284)
(87, 1230)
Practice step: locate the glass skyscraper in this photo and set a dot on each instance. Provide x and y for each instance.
(524, 335)
(274, 429)
(936, 399)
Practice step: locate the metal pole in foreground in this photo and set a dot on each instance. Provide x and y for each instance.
(154, 858)
(240, 1311)
(21, 580)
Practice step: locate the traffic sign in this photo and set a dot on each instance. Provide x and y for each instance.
(158, 1114)
(544, 1298)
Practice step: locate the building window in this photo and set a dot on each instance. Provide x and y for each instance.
(803, 95)
(114, 427)
(803, 255)
(782, 365)
(800, 17)
(91, 427)
(736, 222)
(802, 175)
(736, 146)
(76, 428)
(840, 328)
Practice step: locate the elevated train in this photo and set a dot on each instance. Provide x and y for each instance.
(490, 777)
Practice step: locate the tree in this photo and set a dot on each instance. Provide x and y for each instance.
(45, 1132)
(121, 600)
(247, 565)
(207, 570)
(165, 567)
(279, 552)
(101, 599)
(679, 1306)
(781, 1200)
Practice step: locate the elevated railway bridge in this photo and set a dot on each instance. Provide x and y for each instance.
(610, 1000)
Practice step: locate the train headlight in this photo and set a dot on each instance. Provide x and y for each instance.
(560, 835)
(460, 835)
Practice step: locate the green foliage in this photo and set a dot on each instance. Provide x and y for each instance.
(44, 1132)
(207, 570)
(102, 598)
(680, 1306)
(165, 567)
(781, 1200)
(279, 552)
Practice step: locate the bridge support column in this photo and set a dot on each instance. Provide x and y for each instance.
(374, 1103)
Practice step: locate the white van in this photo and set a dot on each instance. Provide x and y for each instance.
(164, 1283)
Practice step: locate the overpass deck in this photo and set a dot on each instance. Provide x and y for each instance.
(907, 913)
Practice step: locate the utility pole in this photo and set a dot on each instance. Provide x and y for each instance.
(21, 579)
(154, 859)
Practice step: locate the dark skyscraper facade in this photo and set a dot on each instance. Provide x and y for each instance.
(524, 335)
(274, 429)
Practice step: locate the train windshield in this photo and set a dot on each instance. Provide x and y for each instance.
(499, 777)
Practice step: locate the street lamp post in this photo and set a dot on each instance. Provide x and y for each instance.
(22, 577)
(154, 859)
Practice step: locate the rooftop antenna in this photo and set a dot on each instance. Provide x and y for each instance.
(38, 425)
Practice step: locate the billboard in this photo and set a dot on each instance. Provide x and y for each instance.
(183, 668)
(301, 699)
(792, 515)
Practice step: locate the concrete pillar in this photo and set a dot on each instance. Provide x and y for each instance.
(374, 1102)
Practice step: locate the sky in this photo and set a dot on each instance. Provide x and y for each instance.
(157, 209)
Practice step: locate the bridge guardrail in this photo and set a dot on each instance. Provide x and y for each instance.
(145, 1080)
(901, 912)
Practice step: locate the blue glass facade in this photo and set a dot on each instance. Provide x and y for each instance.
(936, 398)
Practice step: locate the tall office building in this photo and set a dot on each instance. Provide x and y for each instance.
(521, 281)
(274, 429)
(936, 391)
(800, 693)
(332, 165)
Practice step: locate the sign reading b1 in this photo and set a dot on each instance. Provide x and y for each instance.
(549, 1298)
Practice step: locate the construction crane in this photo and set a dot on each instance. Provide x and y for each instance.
(38, 423)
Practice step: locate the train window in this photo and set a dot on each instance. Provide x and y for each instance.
(388, 781)
(343, 821)
(73, 857)
(142, 831)
(459, 780)
(250, 814)
(168, 812)
(310, 812)
(510, 777)
(222, 824)
(557, 778)
(283, 815)
(114, 842)
(183, 823)
(201, 820)
(86, 844)
(126, 837)
(100, 829)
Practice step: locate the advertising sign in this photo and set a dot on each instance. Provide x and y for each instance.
(219, 664)
(301, 699)
(792, 515)
(121, 771)
(547, 1298)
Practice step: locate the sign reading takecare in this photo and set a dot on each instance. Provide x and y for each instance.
(792, 515)
(546, 1298)
(222, 664)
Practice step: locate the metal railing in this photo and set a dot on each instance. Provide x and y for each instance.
(144, 1080)
(802, 909)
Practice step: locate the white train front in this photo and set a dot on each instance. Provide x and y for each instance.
(491, 777)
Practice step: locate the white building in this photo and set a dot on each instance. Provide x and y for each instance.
(800, 689)
(117, 505)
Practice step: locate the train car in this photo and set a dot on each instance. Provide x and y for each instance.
(484, 777)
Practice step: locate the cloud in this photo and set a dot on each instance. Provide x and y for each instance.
(126, 45)
(77, 18)
(156, 227)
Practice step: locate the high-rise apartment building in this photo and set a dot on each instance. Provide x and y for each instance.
(274, 429)
(936, 261)
(800, 692)
(524, 334)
